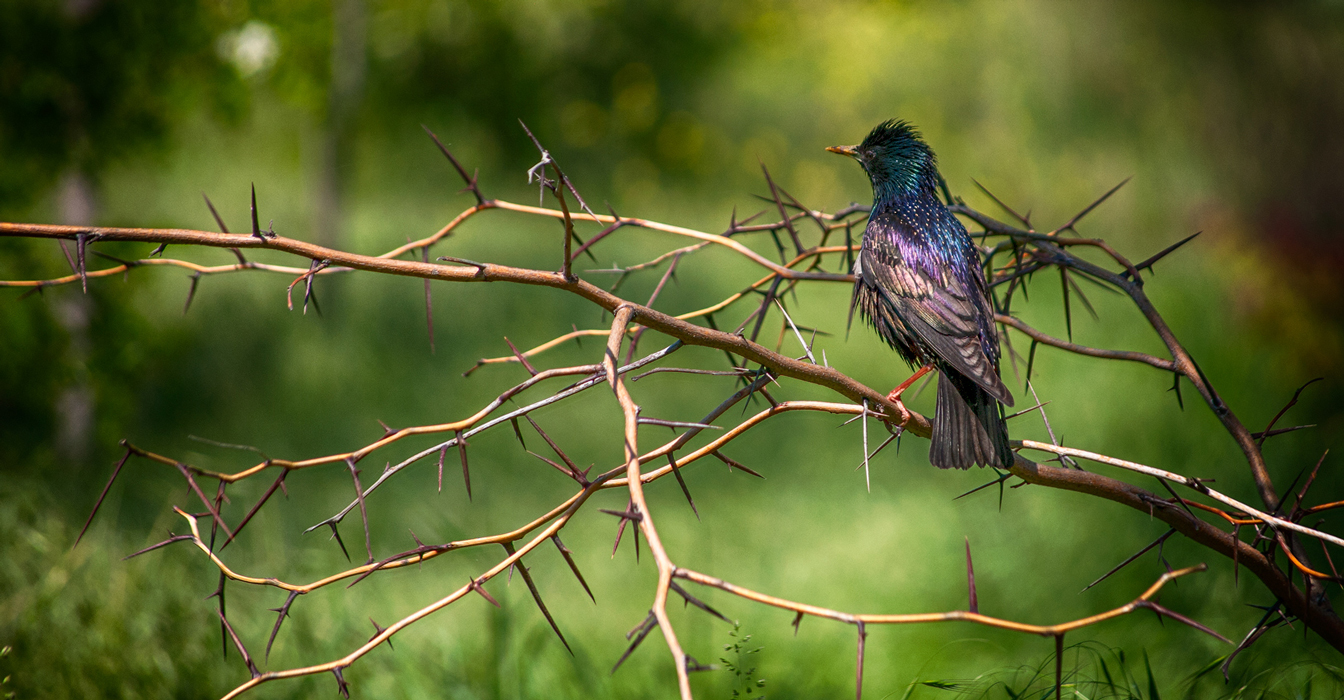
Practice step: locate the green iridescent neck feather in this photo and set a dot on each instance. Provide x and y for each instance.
(898, 161)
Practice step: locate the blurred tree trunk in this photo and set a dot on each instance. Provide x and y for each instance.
(335, 154)
(74, 406)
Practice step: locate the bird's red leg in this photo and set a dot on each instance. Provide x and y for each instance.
(895, 395)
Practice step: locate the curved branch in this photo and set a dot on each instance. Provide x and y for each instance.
(639, 505)
(167, 262)
(1184, 363)
(1052, 341)
(748, 253)
(487, 272)
(950, 616)
(1195, 484)
(411, 619)
(1320, 619)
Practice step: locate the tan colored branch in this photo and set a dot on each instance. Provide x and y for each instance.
(411, 619)
(359, 454)
(1195, 484)
(641, 506)
(950, 616)
(486, 272)
(1320, 619)
(168, 262)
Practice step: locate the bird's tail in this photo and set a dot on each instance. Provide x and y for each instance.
(968, 426)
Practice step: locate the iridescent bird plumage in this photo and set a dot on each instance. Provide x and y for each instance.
(918, 284)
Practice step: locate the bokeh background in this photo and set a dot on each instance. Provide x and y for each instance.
(1226, 115)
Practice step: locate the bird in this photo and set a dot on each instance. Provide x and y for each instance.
(917, 282)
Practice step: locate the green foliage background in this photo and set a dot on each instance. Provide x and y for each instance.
(1226, 116)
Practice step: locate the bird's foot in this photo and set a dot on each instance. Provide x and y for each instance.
(895, 395)
(895, 398)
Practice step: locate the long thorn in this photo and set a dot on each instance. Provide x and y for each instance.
(471, 181)
(1163, 253)
(256, 225)
(99, 503)
(863, 638)
(1078, 217)
(639, 633)
(569, 559)
(363, 512)
(1132, 557)
(1001, 204)
(970, 580)
(1059, 665)
(676, 471)
(282, 613)
(536, 595)
(462, 453)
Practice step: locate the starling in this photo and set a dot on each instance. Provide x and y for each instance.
(918, 283)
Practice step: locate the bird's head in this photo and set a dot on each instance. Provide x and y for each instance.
(896, 159)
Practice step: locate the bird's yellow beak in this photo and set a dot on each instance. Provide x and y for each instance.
(851, 151)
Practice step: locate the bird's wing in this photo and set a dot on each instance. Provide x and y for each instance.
(934, 305)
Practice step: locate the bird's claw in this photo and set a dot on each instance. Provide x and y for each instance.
(895, 398)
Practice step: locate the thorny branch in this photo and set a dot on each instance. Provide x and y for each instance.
(1027, 251)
